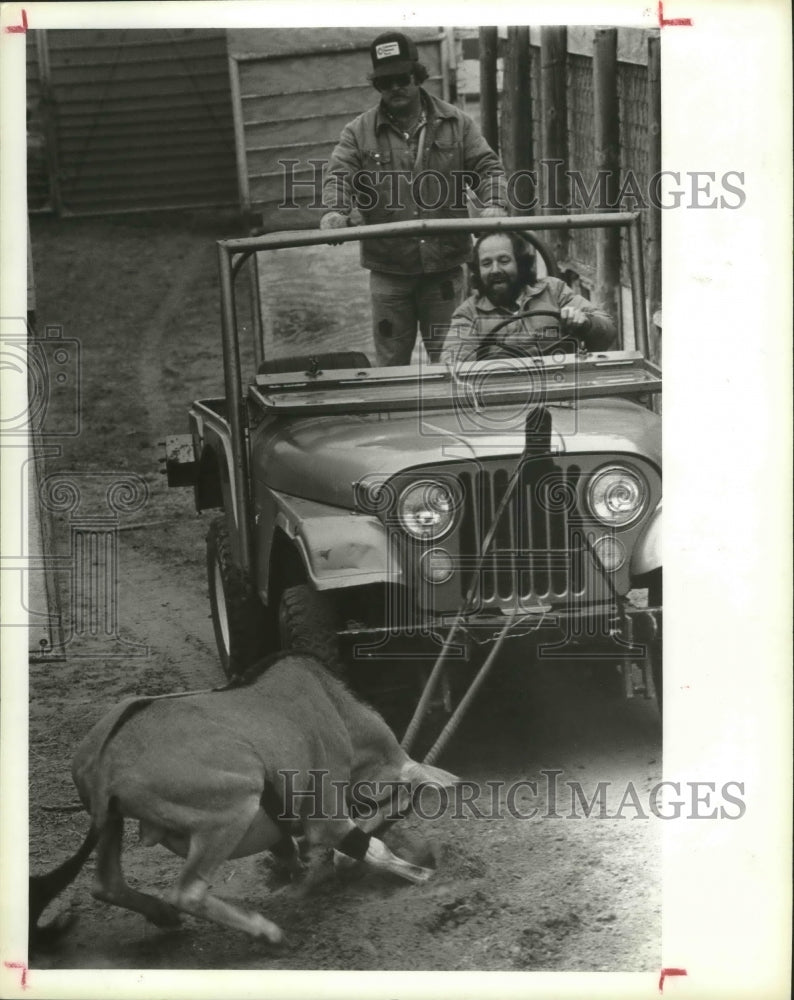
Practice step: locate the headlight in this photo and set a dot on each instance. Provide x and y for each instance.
(426, 509)
(617, 496)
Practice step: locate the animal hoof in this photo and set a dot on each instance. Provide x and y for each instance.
(417, 875)
(47, 936)
(411, 847)
(344, 861)
(266, 930)
(347, 869)
(293, 869)
(62, 921)
(166, 916)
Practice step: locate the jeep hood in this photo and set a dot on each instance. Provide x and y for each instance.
(321, 457)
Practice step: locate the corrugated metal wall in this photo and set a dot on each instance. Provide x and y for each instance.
(141, 119)
(293, 92)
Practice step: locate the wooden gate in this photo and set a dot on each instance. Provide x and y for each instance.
(292, 93)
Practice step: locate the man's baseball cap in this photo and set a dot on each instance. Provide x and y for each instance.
(392, 53)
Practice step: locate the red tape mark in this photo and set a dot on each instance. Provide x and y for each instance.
(18, 29)
(23, 967)
(669, 972)
(664, 22)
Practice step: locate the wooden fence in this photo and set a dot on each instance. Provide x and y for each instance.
(293, 92)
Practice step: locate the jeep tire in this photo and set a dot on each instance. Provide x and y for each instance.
(242, 629)
(308, 621)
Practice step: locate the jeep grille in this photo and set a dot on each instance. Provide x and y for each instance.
(539, 554)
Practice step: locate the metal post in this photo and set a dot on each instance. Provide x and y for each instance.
(638, 287)
(243, 186)
(488, 95)
(447, 60)
(234, 404)
(654, 169)
(506, 109)
(256, 312)
(517, 126)
(607, 158)
(456, 718)
(554, 114)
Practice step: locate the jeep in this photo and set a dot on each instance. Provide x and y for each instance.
(387, 519)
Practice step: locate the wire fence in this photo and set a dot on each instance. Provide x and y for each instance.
(634, 130)
(634, 137)
(581, 146)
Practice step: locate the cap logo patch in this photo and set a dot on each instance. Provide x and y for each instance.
(387, 49)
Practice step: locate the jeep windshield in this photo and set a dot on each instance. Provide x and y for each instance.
(310, 303)
(510, 382)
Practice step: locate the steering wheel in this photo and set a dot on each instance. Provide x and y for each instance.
(555, 313)
(551, 264)
(544, 348)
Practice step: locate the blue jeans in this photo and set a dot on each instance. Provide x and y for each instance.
(401, 302)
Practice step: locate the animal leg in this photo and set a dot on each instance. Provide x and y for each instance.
(208, 850)
(286, 853)
(351, 842)
(379, 856)
(110, 886)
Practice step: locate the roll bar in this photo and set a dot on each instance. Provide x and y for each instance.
(431, 227)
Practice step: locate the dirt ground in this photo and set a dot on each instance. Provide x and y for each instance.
(510, 893)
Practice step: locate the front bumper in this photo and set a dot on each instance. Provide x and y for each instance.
(614, 632)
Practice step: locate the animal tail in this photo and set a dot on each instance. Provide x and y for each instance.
(42, 889)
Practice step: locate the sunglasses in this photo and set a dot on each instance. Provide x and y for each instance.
(387, 82)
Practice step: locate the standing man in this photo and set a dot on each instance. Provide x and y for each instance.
(411, 157)
(513, 312)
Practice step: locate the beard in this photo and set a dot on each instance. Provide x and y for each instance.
(501, 290)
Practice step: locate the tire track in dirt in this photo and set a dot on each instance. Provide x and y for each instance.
(166, 598)
(155, 391)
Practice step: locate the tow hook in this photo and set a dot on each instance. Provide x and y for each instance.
(644, 626)
(641, 628)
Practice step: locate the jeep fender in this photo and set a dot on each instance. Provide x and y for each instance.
(214, 485)
(338, 548)
(647, 554)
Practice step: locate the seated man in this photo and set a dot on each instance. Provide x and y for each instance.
(506, 285)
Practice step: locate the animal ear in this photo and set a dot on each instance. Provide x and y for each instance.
(419, 774)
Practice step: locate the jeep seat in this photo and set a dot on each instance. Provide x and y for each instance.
(303, 362)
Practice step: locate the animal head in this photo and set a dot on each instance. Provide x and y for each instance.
(392, 794)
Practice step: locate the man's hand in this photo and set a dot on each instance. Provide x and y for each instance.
(333, 220)
(575, 320)
(493, 212)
